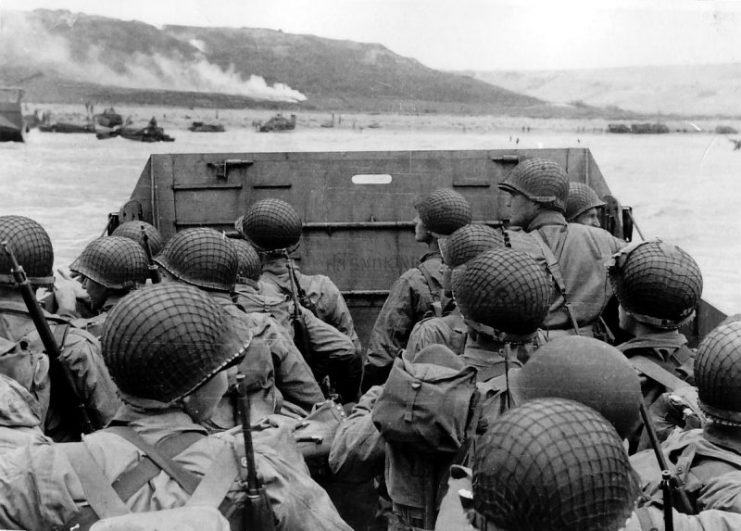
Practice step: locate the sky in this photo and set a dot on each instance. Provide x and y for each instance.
(470, 34)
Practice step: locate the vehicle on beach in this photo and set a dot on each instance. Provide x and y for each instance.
(13, 127)
(356, 206)
(150, 133)
(201, 127)
(277, 123)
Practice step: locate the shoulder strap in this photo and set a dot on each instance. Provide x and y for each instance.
(431, 284)
(554, 268)
(657, 373)
(128, 483)
(187, 480)
(98, 491)
(217, 482)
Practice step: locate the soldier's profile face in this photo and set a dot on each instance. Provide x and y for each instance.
(97, 293)
(590, 217)
(521, 209)
(420, 231)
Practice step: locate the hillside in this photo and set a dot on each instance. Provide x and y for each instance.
(64, 57)
(695, 90)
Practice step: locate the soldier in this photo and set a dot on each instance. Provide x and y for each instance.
(503, 296)
(450, 330)
(496, 326)
(80, 352)
(204, 258)
(582, 369)
(552, 465)
(274, 228)
(583, 205)
(133, 231)
(167, 348)
(707, 460)
(110, 267)
(417, 293)
(574, 253)
(331, 353)
(658, 286)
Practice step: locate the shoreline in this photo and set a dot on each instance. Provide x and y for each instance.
(180, 118)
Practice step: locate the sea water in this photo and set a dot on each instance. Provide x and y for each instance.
(684, 188)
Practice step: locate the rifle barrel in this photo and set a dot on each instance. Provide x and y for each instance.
(684, 501)
(46, 336)
(253, 484)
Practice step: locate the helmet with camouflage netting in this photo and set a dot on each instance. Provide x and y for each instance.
(553, 465)
(114, 262)
(250, 266)
(581, 198)
(133, 230)
(272, 224)
(657, 283)
(163, 342)
(718, 374)
(32, 248)
(542, 181)
(468, 242)
(587, 371)
(443, 211)
(505, 290)
(202, 257)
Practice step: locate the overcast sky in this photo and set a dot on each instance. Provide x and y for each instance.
(471, 34)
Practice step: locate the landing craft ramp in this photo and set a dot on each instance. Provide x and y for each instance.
(357, 207)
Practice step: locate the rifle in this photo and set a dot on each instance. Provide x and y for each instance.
(300, 331)
(669, 483)
(64, 381)
(258, 515)
(154, 272)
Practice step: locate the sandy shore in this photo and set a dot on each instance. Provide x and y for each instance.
(179, 118)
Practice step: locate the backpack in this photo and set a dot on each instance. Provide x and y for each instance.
(427, 406)
(107, 501)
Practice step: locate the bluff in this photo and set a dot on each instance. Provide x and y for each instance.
(59, 56)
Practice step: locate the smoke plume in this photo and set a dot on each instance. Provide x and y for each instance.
(24, 41)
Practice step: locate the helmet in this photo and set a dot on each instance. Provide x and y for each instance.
(114, 262)
(202, 257)
(588, 371)
(504, 289)
(272, 224)
(581, 198)
(133, 230)
(540, 180)
(718, 374)
(32, 248)
(657, 283)
(164, 341)
(443, 211)
(470, 241)
(553, 465)
(250, 266)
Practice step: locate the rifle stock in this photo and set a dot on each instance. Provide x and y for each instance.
(154, 272)
(65, 380)
(258, 515)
